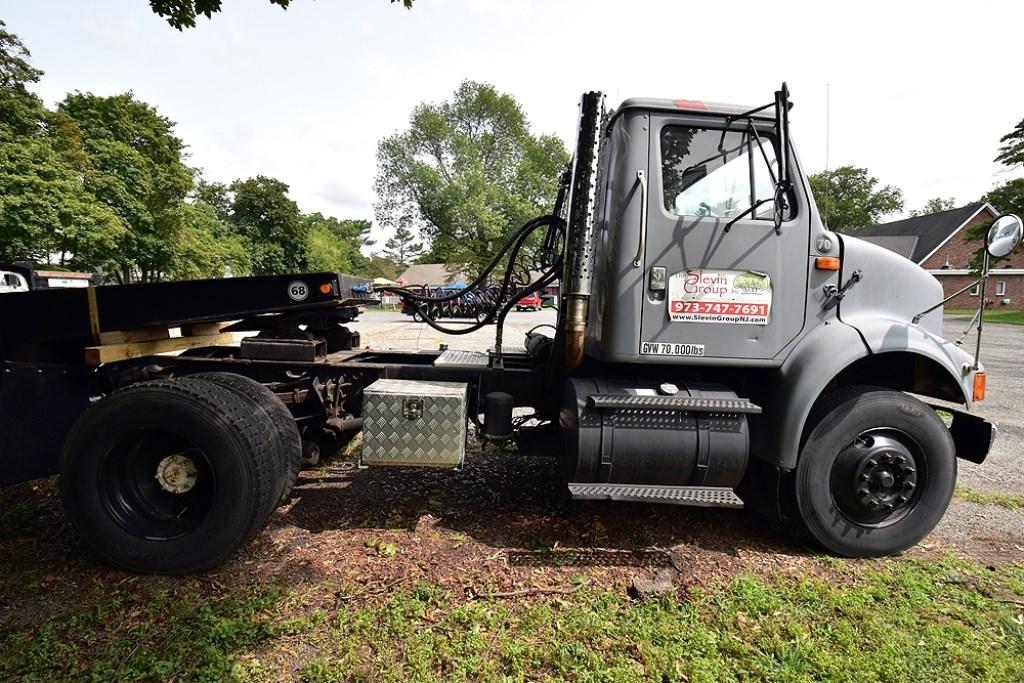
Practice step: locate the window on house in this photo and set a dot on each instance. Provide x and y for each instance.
(975, 290)
(1001, 288)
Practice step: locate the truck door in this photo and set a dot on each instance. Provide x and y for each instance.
(712, 290)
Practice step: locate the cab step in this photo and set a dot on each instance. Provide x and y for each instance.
(680, 403)
(700, 496)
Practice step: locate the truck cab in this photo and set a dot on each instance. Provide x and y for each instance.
(11, 281)
(703, 281)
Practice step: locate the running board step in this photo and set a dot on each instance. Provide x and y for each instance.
(681, 403)
(701, 496)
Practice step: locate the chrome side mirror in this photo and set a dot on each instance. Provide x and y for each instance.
(1004, 235)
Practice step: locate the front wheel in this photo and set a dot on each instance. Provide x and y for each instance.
(876, 473)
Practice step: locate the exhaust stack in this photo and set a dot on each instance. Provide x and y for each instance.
(578, 266)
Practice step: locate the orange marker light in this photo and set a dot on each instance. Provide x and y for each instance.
(826, 263)
(979, 386)
(325, 288)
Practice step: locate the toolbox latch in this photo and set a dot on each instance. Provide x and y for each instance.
(412, 408)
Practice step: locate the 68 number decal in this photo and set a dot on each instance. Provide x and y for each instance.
(298, 290)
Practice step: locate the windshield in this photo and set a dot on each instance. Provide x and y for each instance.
(721, 174)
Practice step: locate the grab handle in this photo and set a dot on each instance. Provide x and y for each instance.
(641, 178)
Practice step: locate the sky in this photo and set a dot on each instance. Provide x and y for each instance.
(918, 92)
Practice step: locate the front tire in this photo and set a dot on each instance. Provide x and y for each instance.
(170, 476)
(876, 472)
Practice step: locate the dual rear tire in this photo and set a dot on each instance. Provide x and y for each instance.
(173, 476)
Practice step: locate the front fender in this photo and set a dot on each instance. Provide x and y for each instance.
(886, 336)
(822, 356)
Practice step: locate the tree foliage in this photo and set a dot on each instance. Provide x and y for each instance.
(849, 198)
(182, 14)
(46, 208)
(402, 247)
(1012, 151)
(1005, 198)
(335, 245)
(934, 205)
(101, 184)
(270, 223)
(140, 174)
(466, 173)
(1008, 197)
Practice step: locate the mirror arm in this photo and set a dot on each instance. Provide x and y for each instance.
(782, 106)
(917, 318)
(981, 308)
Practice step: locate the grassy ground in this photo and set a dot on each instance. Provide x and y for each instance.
(1006, 500)
(993, 316)
(900, 620)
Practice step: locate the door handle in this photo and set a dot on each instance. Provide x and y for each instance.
(641, 178)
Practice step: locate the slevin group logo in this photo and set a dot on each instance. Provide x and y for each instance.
(740, 297)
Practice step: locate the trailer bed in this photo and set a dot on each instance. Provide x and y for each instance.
(64, 318)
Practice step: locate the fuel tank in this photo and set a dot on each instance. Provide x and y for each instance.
(660, 434)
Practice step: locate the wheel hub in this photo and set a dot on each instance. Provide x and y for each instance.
(177, 473)
(881, 474)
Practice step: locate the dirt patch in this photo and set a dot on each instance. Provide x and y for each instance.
(502, 525)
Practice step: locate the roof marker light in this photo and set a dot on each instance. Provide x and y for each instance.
(690, 104)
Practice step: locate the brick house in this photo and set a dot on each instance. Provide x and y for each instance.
(936, 243)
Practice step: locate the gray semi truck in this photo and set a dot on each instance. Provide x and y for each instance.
(716, 345)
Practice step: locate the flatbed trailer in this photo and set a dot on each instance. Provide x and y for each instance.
(779, 367)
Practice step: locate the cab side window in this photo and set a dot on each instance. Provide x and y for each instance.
(717, 173)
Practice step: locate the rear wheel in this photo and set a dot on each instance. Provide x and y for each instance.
(170, 476)
(290, 443)
(876, 473)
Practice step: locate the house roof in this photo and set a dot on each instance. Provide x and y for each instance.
(426, 274)
(928, 232)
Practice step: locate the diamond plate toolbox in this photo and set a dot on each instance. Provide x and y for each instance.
(413, 422)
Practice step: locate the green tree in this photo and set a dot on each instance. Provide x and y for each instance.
(205, 247)
(848, 199)
(1006, 198)
(46, 210)
(183, 13)
(378, 265)
(934, 205)
(402, 247)
(1012, 152)
(466, 173)
(270, 223)
(335, 245)
(139, 173)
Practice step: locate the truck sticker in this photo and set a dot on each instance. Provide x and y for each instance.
(298, 290)
(720, 296)
(662, 349)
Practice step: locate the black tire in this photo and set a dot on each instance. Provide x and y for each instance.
(290, 453)
(114, 480)
(416, 317)
(875, 474)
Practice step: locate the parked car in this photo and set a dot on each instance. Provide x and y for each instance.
(530, 302)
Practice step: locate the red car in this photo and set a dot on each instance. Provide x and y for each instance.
(530, 302)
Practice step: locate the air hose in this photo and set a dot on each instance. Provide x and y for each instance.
(515, 283)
